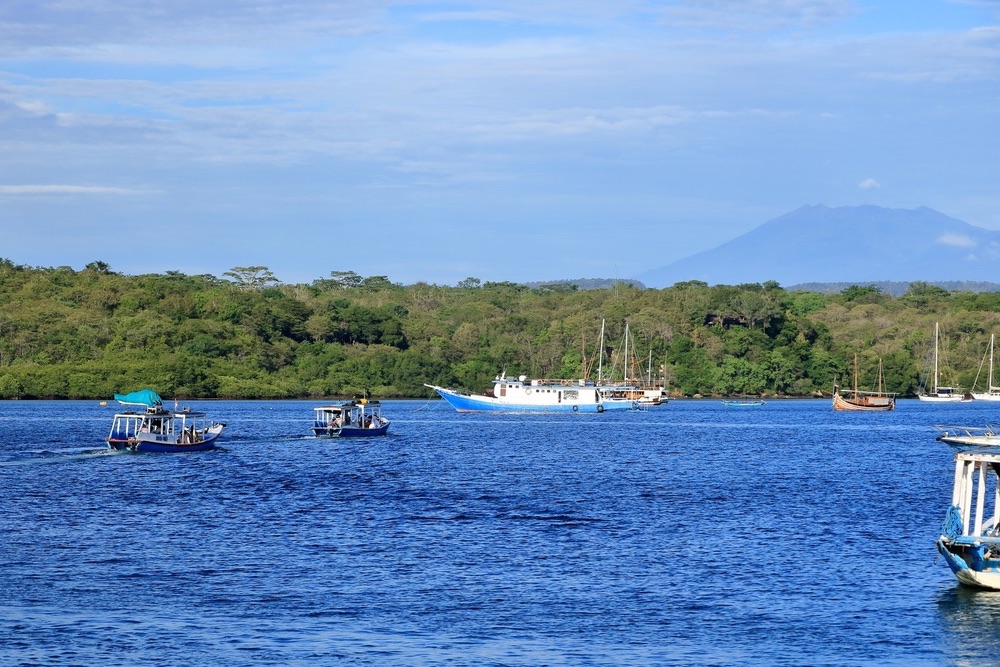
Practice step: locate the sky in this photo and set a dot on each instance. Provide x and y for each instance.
(498, 140)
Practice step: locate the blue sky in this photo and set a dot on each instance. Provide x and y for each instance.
(522, 141)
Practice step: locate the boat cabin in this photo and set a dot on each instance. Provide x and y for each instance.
(159, 425)
(354, 418)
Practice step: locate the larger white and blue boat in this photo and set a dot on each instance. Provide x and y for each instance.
(156, 429)
(523, 395)
(970, 536)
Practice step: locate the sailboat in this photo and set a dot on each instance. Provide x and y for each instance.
(992, 392)
(854, 399)
(940, 394)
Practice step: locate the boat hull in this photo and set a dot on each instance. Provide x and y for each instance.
(944, 398)
(863, 404)
(350, 431)
(147, 443)
(483, 403)
(970, 563)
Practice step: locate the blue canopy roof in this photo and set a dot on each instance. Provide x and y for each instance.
(145, 397)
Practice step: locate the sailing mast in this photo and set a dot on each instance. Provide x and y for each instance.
(600, 357)
(855, 375)
(626, 360)
(990, 382)
(935, 357)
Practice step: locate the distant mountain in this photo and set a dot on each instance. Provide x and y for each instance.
(852, 244)
(896, 288)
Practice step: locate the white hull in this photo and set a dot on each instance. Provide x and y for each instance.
(943, 398)
(510, 395)
(993, 396)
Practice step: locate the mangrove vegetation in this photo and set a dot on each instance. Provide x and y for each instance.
(89, 333)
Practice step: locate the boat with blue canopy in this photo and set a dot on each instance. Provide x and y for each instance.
(157, 429)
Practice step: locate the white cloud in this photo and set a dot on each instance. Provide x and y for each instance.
(65, 189)
(869, 184)
(957, 240)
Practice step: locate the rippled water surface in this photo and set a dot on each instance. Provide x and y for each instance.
(691, 533)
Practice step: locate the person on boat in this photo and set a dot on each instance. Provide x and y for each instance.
(374, 422)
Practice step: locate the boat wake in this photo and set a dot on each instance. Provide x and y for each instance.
(40, 456)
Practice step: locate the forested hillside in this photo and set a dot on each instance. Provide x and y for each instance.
(89, 333)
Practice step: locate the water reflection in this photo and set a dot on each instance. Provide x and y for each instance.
(971, 619)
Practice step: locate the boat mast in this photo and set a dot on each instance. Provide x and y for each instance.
(625, 364)
(935, 357)
(600, 357)
(990, 384)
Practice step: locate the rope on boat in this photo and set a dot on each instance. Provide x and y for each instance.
(953, 525)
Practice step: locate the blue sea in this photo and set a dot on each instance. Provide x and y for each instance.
(687, 534)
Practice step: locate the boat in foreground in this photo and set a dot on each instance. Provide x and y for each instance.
(524, 395)
(353, 419)
(156, 429)
(970, 535)
(969, 436)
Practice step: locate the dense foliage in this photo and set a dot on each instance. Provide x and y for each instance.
(90, 333)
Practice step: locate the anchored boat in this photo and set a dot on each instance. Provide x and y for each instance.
(937, 393)
(970, 535)
(524, 395)
(354, 419)
(156, 429)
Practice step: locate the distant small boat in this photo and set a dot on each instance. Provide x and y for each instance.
(870, 401)
(969, 436)
(970, 534)
(354, 419)
(157, 429)
(743, 404)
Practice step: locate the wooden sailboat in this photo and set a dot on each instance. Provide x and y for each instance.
(992, 392)
(938, 393)
(854, 399)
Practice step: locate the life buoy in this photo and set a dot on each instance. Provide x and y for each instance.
(527, 391)
(600, 407)
(576, 408)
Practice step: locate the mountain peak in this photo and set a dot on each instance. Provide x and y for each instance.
(817, 243)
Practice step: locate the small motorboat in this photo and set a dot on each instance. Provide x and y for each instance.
(355, 419)
(969, 436)
(743, 403)
(970, 535)
(156, 429)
